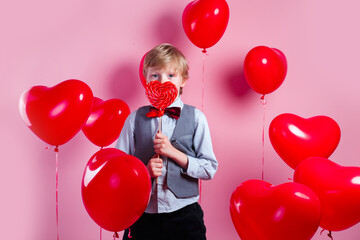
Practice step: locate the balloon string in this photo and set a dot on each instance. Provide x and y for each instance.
(330, 236)
(263, 139)
(202, 105)
(203, 80)
(129, 234)
(57, 189)
(100, 233)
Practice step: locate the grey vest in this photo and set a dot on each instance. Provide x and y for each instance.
(180, 184)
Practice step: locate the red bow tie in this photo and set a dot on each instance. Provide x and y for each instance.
(173, 112)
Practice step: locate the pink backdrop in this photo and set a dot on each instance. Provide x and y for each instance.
(102, 42)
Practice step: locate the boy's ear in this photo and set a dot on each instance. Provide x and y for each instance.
(183, 83)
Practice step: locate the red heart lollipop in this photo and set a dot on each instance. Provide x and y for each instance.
(161, 95)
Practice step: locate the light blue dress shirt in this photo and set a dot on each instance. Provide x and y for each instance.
(203, 166)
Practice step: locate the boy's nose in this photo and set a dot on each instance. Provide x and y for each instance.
(163, 79)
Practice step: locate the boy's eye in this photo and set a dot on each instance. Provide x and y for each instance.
(154, 75)
(171, 75)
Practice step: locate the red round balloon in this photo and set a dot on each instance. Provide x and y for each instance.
(106, 120)
(265, 69)
(338, 189)
(295, 138)
(56, 114)
(263, 211)
(115, 189)
(205, 21)
(141, 74)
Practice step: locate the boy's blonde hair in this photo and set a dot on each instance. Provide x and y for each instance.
(164, 54)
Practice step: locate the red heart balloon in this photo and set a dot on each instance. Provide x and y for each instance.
(56, 114)
(338, 189)
(115, 189)
(295, 138)
(265, 69)
(205, 21)
(106, 120)
(260, 210)
(161, 95)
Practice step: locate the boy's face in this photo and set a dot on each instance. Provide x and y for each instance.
(166, 74)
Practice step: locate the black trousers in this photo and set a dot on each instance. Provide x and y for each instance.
(184, 224)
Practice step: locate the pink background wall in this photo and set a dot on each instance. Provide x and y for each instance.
(102, 42)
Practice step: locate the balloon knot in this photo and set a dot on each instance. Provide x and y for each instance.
(263, 100)
(116, 235)
(56, 149)
(204, 50)
(329, 234)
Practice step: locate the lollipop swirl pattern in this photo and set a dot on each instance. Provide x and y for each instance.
(161, 95)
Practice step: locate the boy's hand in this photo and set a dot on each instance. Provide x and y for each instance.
(155, 166)
(162, 145)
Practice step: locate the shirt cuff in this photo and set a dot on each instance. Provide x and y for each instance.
(190, 168)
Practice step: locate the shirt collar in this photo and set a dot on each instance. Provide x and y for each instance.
(177, 103)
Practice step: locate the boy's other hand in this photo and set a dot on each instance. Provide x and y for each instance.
(162, 145)
(155, 166)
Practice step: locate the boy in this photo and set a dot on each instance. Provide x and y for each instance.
(185, 150)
